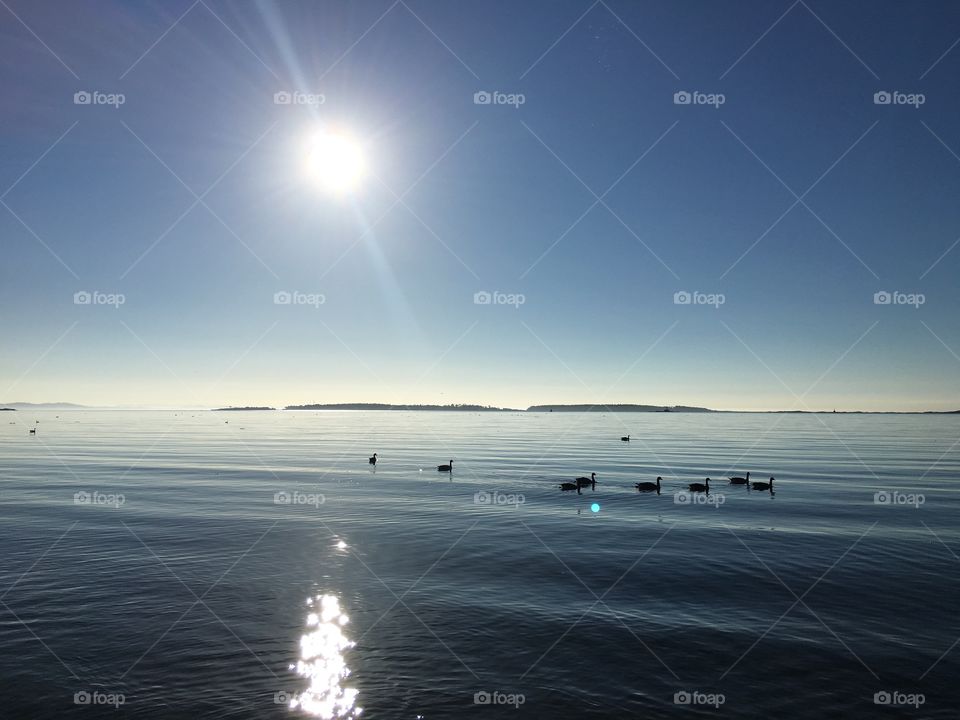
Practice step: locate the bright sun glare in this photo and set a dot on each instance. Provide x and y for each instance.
(335, 162)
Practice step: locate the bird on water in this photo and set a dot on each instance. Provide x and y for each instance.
(649, 486)
(591, 481)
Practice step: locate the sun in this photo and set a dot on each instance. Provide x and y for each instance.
(335, 162)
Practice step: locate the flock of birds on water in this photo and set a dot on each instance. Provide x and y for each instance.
(581, 482)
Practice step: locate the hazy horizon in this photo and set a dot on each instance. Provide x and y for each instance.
(509, 407)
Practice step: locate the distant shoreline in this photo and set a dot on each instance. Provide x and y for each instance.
(386, 406)
(598, 408)
(241, 409)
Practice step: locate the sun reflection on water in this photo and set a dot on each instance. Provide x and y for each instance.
(322, 662)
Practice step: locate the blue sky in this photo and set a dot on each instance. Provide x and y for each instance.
(492, 199)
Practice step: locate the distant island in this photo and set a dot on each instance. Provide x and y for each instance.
(224, 409)
(454, 407)
(850, 412)
(43, 406)
(616, 408)
(386, 406)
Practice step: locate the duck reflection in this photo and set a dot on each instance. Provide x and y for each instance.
(322, 663)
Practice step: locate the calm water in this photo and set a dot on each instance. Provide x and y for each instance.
(180, 580)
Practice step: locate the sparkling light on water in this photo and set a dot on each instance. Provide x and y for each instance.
(322, 662)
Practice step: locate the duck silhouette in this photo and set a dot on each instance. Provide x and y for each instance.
(649, 486)
(591, 481)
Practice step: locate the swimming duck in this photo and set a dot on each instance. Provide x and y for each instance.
(700, 487)
(446, 468)
(649, 486)
(591, 481)
(763, 485)
(373, 460)
(740, 480)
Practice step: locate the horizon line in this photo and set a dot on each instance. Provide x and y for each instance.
(470, 407)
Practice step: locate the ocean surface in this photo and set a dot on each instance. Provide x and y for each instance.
(254, 565)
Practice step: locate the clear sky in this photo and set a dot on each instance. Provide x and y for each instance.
(794, 202)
